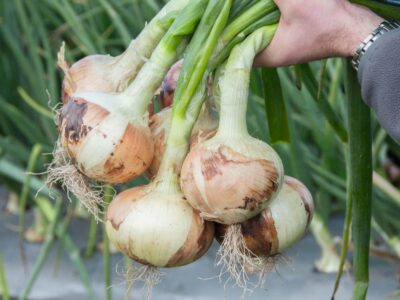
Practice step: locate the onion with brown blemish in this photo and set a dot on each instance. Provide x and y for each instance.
(155, 226)
(280, 225)
(231, 176)
(105, 136)
(105, 73)
(104, 144)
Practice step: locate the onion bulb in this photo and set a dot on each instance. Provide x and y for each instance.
(155, 226)
(253, 245)
(105, 144)
(231, 176)
(281, 224)
(105, 73)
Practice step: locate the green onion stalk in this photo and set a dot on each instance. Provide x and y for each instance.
(105, 137)
(154, 224)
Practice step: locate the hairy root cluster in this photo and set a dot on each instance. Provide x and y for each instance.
(61, 170)
(239, 263)
(150, 276)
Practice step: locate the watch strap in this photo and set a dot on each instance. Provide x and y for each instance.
(383, 28)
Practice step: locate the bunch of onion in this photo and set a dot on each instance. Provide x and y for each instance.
(279, 226)
(154, 224)
(105, 136)
(105, 73)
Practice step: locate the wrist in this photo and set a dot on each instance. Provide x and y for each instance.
(359, 23)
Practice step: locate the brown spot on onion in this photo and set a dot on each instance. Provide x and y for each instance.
(77, 118)
(73, 113)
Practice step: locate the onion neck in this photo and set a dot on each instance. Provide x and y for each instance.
(139, 50)
(177, 145)
(234, 83)
(234, 94)
(141, 91)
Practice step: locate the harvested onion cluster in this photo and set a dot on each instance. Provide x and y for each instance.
(209, 176)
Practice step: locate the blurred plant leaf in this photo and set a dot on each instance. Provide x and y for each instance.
(275, 106)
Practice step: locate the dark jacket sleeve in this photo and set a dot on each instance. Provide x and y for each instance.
(379, 76)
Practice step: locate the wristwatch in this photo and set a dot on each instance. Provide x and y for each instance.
(383, 28)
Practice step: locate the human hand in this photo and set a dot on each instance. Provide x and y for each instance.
(315, 29)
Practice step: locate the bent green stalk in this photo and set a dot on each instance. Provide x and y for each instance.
(258, 10)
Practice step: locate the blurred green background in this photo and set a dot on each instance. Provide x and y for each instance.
(301, 111)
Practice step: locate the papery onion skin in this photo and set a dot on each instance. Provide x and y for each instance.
(157, 228)
(229, 181)
(104, 145)
(83, 76)
(279, 226)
